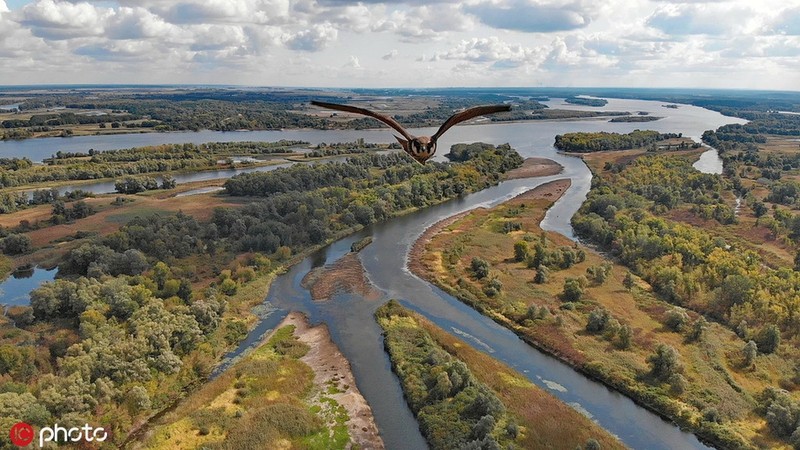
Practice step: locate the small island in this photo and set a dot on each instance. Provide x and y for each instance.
(586, 101)
(639, 118)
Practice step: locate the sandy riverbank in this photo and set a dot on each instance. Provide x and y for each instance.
(332, 370)
(535, 167)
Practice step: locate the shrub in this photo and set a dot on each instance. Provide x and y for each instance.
(598, 320)
(676, 319)
(542, 275)
(625, 337)
(16, 244)
(698, 329)
(573, 290)
(480, 267)
(749, 353)
(520, 251)
(769, 338)
(664, 362)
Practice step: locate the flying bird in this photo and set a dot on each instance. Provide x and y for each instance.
(421, 148)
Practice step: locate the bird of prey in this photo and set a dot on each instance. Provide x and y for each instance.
(421, 148)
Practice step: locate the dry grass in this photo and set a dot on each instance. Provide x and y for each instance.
(549, 423)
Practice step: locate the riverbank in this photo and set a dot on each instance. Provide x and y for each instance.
(333, 378)
(256, 403)
(711, 378)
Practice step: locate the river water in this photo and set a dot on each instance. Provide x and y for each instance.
(350, 318)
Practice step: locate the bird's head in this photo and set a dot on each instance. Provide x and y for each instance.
(420, 148)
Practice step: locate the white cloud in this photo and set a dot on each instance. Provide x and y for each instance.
(313, 39)
(621, 42)
(706, 18)
(64, 20)
(532, 15)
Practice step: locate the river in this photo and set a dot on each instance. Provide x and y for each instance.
(349, 317)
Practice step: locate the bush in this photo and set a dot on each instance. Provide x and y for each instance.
(573, 290)
(16, 244)
(664, 362)
(542, 275)
(598, 320)
(768, 340)
(749, 353)
(698, 329)
(480, 267)
(599, 274)
(521, 251)
(676, 319)
(625, 337)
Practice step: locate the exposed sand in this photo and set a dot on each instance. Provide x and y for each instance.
(344, 276)
(535, 167)
(551, 191)
(331, 368)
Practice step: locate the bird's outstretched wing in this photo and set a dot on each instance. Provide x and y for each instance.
(469, 114)
(385, 119)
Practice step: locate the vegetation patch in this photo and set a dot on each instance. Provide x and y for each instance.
(464, 399)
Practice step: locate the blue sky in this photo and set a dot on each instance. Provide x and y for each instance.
(412, 43)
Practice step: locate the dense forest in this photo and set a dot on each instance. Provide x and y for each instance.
(585, 142)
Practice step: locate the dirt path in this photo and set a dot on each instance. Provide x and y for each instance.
(535, 167)
(332, 370)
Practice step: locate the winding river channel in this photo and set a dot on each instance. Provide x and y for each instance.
(350, 317)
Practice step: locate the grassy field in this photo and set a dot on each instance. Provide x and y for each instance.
(264, 401)
(717, 386)
(531, 418)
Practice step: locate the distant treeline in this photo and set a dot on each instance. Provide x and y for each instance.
(595, 142)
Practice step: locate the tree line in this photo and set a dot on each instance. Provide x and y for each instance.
(586, 142)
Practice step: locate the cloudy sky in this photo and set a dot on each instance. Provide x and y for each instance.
(413, 43)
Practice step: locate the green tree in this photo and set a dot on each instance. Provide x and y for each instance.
(480, 267)
(664, 362)
(598, 319)
(676, 319)
(749, 353)
(698, 329)
(573, 290)
(521, 251)
(625, 337)
(628, 281)
(768, 339)
(542, 275)
(16, 244)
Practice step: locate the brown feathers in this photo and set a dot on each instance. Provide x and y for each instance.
(423, 147)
